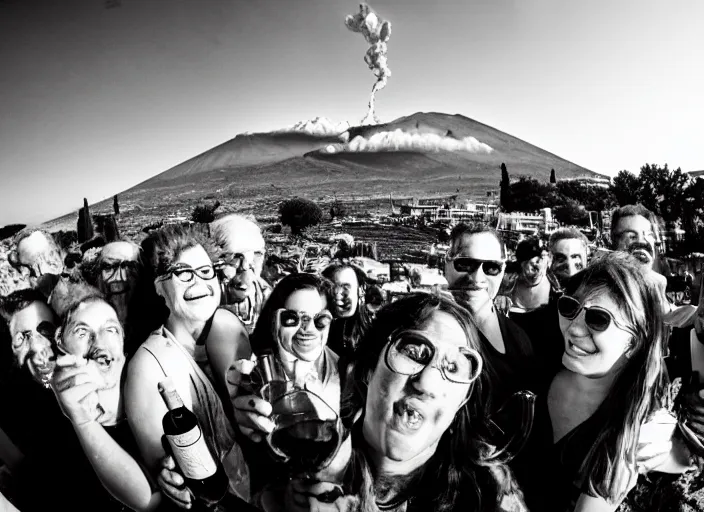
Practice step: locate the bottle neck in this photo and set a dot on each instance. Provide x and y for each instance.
(171, 399)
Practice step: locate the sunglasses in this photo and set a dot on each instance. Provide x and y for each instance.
(185, 274)
(470, 265)
(291, 318)
(126, 266)
(597, 318)
(409, 353)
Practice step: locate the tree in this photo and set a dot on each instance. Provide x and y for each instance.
(662, 191)
(85, 223)
(299, 214)
(337, 210)
(204, 214)
(530, 195)
(553, 180)
(505, 193)
(115, 205)
(571, 212)
(626, 188)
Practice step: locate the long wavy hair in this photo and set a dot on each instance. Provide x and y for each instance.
(264, 336)
(641, 383)
(466, 472)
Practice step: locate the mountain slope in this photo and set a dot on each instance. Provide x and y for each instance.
(253, 172)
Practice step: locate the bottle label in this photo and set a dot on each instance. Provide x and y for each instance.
(192, 454)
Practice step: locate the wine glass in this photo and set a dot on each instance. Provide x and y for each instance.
(307, 433)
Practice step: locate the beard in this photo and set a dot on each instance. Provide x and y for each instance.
(643, 252)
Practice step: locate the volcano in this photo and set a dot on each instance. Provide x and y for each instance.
(407, 157)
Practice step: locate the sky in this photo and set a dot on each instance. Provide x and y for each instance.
(94, 100)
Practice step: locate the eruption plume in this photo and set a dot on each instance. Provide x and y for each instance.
(376, 32)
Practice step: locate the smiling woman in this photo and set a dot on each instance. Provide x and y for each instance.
(592, 422)
(179, 260)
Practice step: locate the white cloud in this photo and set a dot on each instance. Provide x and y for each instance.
(398, 140)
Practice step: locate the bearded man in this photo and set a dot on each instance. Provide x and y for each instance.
(634, 229)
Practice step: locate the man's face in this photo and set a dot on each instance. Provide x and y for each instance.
(39, 256)
(569, 256)
(244, 259)
(94, 335)
(346, 293)
(118, 271)
(533, 270)
(480, 283)
(32, 330)
(635, 234)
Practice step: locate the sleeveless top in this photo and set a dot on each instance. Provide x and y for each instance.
(200, 397)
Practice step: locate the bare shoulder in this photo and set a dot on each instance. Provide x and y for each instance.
(226, 328)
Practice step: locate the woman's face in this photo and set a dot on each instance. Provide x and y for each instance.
(196, 299)
(302, 337)
(405, 416)
(590, 352)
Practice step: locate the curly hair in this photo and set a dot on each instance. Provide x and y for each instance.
(164, 246)
(466, 472)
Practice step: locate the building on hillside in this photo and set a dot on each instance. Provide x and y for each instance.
(696, 174)
(448, 214)
(600, 182)
(527, 223)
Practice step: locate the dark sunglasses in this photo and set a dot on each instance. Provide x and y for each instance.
(470, 265)
(111, 268)
(597, 318)
(291, 318)
(185, 273)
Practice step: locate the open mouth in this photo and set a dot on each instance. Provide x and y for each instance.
(579, 351)
(642, 255)
(344, 305)
(407, 417)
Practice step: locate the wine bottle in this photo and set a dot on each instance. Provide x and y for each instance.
(203, 473)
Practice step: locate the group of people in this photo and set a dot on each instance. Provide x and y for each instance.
(553, 391)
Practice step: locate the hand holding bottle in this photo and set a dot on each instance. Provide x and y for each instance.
(172, 484)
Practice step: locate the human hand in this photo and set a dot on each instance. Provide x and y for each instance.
(322, 490)
(252, 415)
(692, 415)
(655, 441)
(172, 484)
(76, 390)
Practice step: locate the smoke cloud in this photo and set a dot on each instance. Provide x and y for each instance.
(376, 32)
(399, 140)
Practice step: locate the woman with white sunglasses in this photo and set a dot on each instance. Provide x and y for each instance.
(293, 328)
(606, 401)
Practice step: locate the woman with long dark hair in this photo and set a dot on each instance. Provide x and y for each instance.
(612, 382)
(415, 408)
